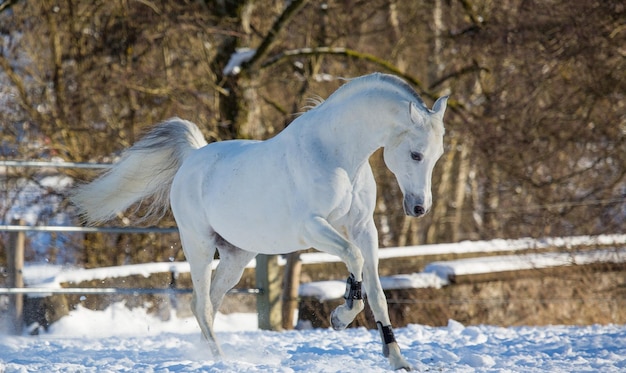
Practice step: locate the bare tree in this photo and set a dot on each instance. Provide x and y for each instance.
(535, 134)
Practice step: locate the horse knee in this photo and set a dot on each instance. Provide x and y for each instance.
(356, 263)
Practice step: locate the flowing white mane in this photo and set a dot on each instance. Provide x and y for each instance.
(371, 81)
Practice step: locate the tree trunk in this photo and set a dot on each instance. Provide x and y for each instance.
(493, 202)
(461, 184)
(440, 209)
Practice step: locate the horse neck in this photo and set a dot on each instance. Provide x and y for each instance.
(353, 128)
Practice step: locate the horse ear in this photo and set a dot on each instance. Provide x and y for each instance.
(440, 106)
(416, 118)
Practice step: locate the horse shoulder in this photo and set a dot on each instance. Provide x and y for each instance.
(364, 193)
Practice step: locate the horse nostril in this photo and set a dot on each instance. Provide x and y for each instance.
(419, 210)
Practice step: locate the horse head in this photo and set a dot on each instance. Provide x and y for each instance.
(412, 151)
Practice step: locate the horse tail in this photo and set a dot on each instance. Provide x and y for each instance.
(145, 170)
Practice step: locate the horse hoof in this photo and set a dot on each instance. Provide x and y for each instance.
(404, 366)
(400, 364)
(336, 323)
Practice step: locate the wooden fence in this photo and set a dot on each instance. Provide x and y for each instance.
(269, 285)
(268, 290)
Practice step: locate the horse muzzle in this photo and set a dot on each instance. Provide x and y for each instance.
(415, 207)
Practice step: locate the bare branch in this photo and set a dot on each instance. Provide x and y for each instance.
(455, 74)
(6, 5)
(477, 19)
(18, 82)
(281, 57)
(284, 18)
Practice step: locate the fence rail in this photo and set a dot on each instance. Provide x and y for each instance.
(268, 290)
(71, 229)
(268, 294)
(42, 164)
(130, 291)
(16, 290)
(123, 291)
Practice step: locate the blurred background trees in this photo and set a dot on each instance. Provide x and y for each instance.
(536, 131)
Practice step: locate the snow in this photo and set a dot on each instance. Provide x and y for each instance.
(476, 247)
(323, 290)
(37, 199)
(122, 340)
(502, 263)
(52, 276)
(435, 275)
(241, 56)
(413, 281)
(34, 201)
(326, 290)
(502, 245)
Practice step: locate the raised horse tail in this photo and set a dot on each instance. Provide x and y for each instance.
(145, 170)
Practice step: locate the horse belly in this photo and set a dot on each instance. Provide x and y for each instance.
(252, 209)
(266, 233)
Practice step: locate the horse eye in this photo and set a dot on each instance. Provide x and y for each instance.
(416, 156)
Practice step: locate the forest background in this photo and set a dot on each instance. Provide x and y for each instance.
(535, 131)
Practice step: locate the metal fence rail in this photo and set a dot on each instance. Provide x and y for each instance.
(122, 291)
(42, 164)
(70, 229)
(267, 292)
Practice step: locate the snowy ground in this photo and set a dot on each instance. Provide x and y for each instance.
(120, 340)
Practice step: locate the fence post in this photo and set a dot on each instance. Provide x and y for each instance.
(269, 280)
(293, 268)
(15, 266)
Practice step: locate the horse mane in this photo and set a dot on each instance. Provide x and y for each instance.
(404, 85)
(356, 83)
(313, 102)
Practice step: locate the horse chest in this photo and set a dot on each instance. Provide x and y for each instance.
(342, 208)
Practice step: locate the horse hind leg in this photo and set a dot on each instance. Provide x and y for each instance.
(233, 261)
(205, 320)
(199, 251)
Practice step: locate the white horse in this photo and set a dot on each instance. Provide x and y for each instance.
(309, 186)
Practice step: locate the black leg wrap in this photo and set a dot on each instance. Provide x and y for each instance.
(353, 291)
(386, 335)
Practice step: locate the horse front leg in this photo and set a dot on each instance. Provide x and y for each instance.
(378, 303)
(343, 315)
(368, 241)
(322, 236)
